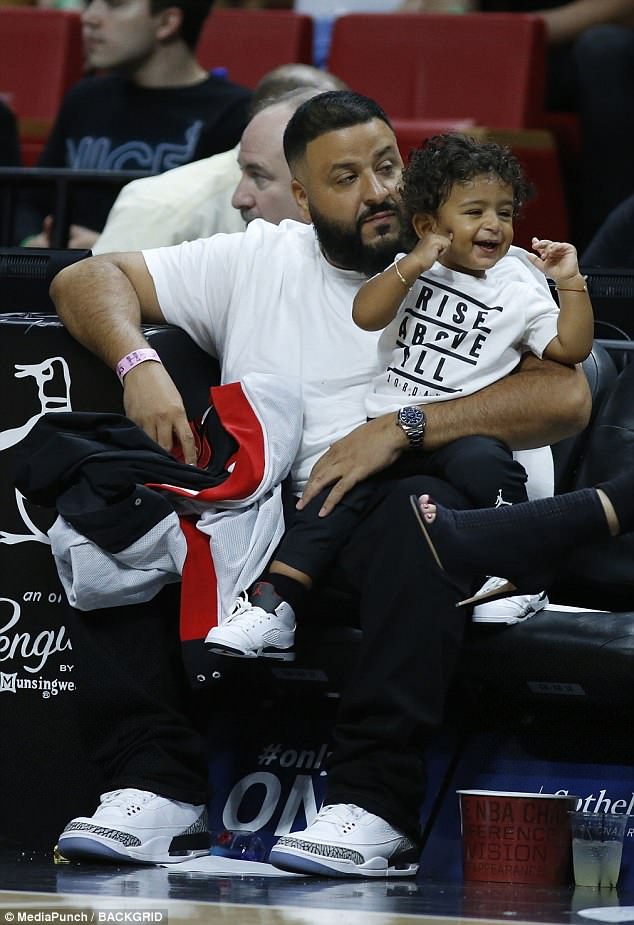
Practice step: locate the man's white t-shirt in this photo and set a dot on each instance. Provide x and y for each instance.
(267, 301)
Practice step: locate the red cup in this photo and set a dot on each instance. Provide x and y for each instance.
(510, 837)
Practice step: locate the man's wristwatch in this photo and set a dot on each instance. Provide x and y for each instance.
(412, 421)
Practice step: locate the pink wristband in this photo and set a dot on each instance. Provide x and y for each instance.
(133, 359)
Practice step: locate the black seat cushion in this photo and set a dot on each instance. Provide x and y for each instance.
(603, 572)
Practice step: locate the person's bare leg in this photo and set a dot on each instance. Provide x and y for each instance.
(280, 568)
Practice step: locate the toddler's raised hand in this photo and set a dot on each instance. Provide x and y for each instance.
(429, 248)
(556, 259)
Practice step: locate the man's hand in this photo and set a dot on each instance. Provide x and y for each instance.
(43, 239)
(152, 401)
(78, 236)
(81, 237)
(365, 451)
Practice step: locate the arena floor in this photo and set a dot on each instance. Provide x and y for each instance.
(33, 889)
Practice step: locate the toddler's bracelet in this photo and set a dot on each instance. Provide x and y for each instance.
(133, 359)
(583, 288)
(400, 275)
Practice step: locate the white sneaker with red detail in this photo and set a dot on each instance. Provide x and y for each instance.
(254, 631)
(137, 827)
(345, 840)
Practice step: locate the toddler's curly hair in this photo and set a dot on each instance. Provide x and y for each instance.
(445, 160)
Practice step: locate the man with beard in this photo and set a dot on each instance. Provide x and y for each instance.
(277, 299)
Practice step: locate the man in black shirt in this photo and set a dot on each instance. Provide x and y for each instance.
(154, 108)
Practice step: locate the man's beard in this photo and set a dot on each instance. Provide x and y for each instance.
(344, 246)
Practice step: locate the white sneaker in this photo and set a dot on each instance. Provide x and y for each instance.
(138, 827)
(265, 630)
(346, 841)
(507, 610)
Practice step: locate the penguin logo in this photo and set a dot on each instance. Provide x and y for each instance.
(52, 380)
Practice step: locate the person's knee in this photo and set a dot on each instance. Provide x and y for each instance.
(483, 469)
(473, 448)
(471, 454)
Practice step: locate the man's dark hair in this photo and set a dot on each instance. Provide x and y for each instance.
(445, 160)
(327, 112)
(194, 12)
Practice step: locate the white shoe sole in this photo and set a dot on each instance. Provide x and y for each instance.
(302, 862)
(281, 654)
(93, 848)
(224, 644)
(83, 845)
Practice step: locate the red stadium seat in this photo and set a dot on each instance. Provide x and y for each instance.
(483, 73)
(41, 56)
(249, 43)
(489, 67)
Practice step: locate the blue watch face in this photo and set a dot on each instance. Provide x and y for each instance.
(411, 416)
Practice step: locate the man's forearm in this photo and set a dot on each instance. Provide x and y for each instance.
(565, 22)
(101, 307)
(102, 301)
(542, 403)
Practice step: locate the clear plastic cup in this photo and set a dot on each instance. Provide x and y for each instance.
(597, 847)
